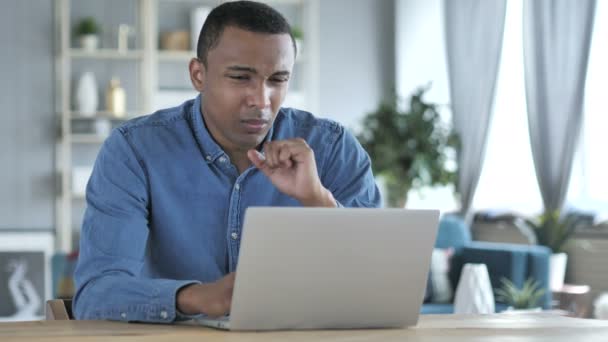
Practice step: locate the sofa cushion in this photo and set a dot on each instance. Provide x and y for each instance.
(452, 233)
(441, 287)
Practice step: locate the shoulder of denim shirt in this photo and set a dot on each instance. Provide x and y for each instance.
(162, 117)
(294, 123)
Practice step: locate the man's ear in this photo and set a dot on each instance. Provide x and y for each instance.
(197, 74)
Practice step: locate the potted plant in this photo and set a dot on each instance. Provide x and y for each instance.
(525, 298)
(298, 37)
(554, 229)
(409, 149)
(87, 31)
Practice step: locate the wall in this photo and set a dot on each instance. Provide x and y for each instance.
(28, 120)
(357, 57)
(420, 45)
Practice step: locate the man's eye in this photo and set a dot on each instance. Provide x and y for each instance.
(239, 77)
(279, 80)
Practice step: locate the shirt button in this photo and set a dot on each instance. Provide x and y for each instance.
(222, 159)
(164, 314)
(237, 186)
(234, 235)
(123, 315)
(208, 157)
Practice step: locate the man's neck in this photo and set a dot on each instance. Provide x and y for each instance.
(239, 159)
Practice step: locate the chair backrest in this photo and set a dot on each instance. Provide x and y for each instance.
(58, 309)
(453, 232)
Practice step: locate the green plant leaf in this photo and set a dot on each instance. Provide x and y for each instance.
(525, 298)
(412, 147)
(87, 25)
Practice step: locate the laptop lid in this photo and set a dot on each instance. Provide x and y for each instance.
(318, 268)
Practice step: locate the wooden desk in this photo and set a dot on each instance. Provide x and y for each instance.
(431, 328)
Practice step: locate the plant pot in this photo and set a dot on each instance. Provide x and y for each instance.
(557, 270)
(394, 192)
(89, 42)
(512, 310)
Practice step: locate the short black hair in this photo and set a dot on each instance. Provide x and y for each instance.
(247, 15)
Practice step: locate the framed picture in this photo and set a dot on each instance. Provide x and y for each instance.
(25, 274)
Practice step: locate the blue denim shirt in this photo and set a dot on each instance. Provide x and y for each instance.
(165, 207)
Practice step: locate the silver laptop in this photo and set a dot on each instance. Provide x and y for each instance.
(316, 268)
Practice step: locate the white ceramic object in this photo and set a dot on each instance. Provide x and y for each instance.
(474, 293)
(124, 31)
(600, 305)
(512, 310)
(116, 99)
(557, 270)
(89, 42)
(86, 95)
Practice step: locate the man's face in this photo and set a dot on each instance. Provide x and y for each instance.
(244, 85)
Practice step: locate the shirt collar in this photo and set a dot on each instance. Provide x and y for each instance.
(211, 150)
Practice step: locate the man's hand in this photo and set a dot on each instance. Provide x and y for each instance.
(290, 165)
(212, 299)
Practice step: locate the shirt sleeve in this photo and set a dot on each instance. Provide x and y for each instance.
(113, 244)
(347, 172)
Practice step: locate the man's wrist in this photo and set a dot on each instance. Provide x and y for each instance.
(185, 300)
(324, 198)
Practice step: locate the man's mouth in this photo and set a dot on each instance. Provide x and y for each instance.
(255, 125)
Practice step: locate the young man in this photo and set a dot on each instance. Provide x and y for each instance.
(167, 197)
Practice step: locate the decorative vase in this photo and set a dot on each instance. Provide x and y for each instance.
(116, 100)
(124, 31)
(557, 270)
(86, 95)
(89, 42)
(474, 293)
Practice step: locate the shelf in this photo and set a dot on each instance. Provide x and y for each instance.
(175, 56)
(186, 56)
(148, 74)
(106, 54)
(83, 138)
(103, 115)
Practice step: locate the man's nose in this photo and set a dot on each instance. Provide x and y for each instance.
(259, 96)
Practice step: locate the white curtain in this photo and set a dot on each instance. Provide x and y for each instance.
(557, 36)
(474, 32)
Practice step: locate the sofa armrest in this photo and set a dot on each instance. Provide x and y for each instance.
(513, 261)
(538, 268)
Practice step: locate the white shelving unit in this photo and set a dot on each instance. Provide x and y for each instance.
(149, 63)
(106, 54)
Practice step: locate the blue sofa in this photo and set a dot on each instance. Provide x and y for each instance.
(513, 261)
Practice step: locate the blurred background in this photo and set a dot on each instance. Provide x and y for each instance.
(491, 110)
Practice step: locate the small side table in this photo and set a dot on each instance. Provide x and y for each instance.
(574, 299)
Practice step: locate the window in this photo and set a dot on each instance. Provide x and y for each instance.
(508, 179)
(589, 182)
